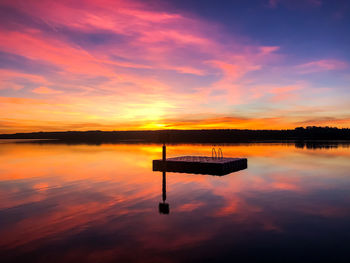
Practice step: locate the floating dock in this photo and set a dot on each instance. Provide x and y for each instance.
(200, 165)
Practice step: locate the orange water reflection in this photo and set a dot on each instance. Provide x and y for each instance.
(99, 203)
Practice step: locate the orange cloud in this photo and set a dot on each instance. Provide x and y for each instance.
(45, 90)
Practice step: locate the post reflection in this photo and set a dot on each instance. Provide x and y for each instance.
(164, 207)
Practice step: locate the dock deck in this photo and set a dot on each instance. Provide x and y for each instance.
(200, 165)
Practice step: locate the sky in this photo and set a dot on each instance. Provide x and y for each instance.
(181, 64)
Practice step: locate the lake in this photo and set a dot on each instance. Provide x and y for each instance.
(102, 203)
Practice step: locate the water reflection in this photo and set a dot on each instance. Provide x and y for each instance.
(87, 203)
(309, 144)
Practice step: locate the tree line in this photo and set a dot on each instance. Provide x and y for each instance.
(190, 136)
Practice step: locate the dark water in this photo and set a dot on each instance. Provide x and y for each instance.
(83, 203)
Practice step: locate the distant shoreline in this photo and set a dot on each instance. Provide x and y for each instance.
(299, 134)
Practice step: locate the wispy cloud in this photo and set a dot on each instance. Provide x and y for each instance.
(45, 90)
(322, 65)
(295, 3)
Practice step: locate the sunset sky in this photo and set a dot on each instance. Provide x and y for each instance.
(181, 64)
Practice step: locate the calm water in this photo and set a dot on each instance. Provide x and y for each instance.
(88, 203)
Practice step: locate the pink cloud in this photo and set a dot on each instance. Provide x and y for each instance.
(273, 3)
(8, 77)
(268, 49)
(322, 65)
(155, 38)
(285, 93)
(294, 3)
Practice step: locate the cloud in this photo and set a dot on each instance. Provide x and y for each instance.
(322, 65)
(326, 121)
(268, 49)
(45, 90)
(24, 64)
(273, 3)
(295, 3)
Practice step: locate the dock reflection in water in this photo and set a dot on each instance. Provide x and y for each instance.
(90, 203)
(197, 165)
